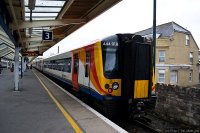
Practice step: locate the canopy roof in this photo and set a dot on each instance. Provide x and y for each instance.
(29, 18)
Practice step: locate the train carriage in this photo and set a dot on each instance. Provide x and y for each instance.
(114, 70)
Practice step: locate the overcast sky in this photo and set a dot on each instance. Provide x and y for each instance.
(130, 16)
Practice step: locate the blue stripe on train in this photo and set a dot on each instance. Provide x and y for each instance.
(97, 95)
(91, 93)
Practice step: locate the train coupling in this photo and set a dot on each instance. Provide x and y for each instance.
(138, 110)
(140, 106)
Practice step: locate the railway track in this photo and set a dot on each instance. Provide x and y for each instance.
(145, 126)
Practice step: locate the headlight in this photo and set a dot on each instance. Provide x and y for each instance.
(115, 86)
(106, 86)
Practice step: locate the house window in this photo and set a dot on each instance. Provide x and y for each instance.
(190, 75)
(161, 76)
(161, 56)
(191, 57)
(187, 39)
(173, 77)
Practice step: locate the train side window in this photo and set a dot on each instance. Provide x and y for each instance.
(76, 63)
(60, 64)
(68, 68)
(87, 64)
(45, 64)
(63, 66)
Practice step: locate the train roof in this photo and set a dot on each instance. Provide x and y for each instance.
(59, 56)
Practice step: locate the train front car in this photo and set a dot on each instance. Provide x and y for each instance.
(127, 62)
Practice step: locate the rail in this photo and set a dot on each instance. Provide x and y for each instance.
(145, 126)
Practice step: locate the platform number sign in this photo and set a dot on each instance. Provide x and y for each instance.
(47, 35)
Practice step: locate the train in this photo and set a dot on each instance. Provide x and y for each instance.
(115, 71)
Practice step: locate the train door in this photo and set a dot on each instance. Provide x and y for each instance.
(87, 70)
(75, 72)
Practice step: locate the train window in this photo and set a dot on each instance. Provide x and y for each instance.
(45, 64)
(110, 55)
(87, 64)
(59, 64)
(68, 66)
(76, 63)
(110, 61)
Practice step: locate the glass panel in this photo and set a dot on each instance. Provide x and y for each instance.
(76, 63)
(46, 3)
(2, 46)
(49, 18)
(41, 14)
(68, 68)
(49, 3)
(110, 61)
(190, 75)
(87, 64)
(37, 32)
(191, 57)
(191, 54)
(39, 28)
(187, 40)
(43, 9)
(173, 77)
(161, 56)
(161, 78)
(110, 51)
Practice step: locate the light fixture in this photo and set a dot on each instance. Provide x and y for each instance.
(31, 4)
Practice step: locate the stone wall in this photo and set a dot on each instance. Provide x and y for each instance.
(179, 104)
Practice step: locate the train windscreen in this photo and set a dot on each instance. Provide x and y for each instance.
(110, 54)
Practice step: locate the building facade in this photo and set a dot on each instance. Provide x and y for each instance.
(176, 55)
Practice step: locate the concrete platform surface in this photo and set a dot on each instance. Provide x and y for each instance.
(30, 110)
(41, 106)
(89, 121)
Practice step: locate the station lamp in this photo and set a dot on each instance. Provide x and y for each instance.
(31, 4)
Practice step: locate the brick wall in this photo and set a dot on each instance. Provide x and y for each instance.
(179, 104)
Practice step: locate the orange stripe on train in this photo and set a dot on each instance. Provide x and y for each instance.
(94, 72)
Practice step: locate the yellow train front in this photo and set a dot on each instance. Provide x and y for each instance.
(115, 72)
(124, 72)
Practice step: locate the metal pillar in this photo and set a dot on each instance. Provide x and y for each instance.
(154, 35)
(21, 67)
(16, 69)
(0, 65)
(24, 64)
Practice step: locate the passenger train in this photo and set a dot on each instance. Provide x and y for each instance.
(115, 71)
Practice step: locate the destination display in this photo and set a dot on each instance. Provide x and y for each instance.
(31, 53)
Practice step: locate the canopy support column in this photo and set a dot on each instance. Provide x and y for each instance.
(16, 69)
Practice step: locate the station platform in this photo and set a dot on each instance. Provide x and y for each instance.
(41, 106)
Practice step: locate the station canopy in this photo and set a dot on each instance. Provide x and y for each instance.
(6, 46)
(30, 18)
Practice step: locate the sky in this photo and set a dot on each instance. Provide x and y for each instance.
(130, 16)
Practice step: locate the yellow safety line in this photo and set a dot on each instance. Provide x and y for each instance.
(67, 116)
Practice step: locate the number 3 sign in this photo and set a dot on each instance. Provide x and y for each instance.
(47, 35)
